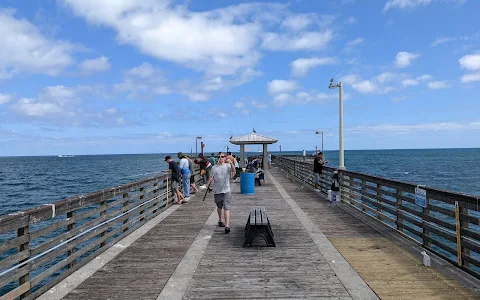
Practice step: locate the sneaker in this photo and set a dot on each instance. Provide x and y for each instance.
(202, 187)
(186, 199)
(227, 229)
(317, 190)
(221, 224)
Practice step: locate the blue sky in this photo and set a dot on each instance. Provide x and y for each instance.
(107, 76)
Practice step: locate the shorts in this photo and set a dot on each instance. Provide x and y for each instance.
(175, 185)
(316, 177)
(223, 200)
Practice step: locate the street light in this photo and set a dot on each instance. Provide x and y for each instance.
(320, 132)
(340, 138)
(196, 144)
(280, 150)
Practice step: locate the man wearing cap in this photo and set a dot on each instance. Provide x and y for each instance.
(185, 170)
(175, 180)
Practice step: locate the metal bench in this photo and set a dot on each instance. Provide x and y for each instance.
(258, 225)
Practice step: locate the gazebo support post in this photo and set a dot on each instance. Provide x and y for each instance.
(265, 157)
(242, 156)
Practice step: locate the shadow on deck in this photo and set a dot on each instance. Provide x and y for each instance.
(186, 256)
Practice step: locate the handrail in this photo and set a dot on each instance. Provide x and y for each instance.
(41, 246)
(448, 225)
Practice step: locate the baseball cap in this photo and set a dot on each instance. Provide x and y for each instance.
(167, 157)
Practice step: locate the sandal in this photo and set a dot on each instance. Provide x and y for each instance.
(221, 224)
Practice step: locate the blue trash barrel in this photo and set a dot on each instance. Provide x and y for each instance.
(247, 183)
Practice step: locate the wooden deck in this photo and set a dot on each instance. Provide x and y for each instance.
(187, 256)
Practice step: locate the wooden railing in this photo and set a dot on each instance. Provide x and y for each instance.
(448, 225)
(41, 246)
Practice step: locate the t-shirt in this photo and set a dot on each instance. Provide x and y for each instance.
(317, 165)
(175, 171)
(221, 178)
(184, 168)
(304, 153)
(212, 160)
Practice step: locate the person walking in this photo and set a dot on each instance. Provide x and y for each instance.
(304, 154)
(205, 170)
(185, 170)
(221, 173)
(318, 163)
(174, 170)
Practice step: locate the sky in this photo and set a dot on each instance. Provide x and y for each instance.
(111, 76)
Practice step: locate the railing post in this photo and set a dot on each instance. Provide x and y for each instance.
(156, 203)
(464, 224)
(425, 232)
(459, 237)
(398, 192)
(142, 195)
(379, 202)
(71, 226)
(103, 213)
(364, 190)
(125, 209)
(24, 247)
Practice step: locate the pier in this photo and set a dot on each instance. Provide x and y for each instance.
(131, 242)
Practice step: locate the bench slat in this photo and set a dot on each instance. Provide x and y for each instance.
(252, 216)
(264, 216)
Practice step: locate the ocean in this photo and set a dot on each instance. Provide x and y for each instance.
(26, 182)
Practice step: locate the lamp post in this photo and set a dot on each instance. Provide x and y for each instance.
(340, 138)
(280, 150)
(196, 144)
(320, 132)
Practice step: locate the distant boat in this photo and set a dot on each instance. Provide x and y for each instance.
(64, 155)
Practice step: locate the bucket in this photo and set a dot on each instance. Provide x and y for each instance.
(247, 183)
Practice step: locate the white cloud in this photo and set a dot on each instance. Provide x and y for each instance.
(51, 101)
(350, 79)
(25, 49)
(5, 98)
(411, 128)
(405, 4)
(405, 59)
(145, 70)
(259, 105)
(409, 82)
(366, 87)
(99, 64)
(301, 98)
(279, 86)
(424, 77)
(112, 111)
(239, 104)
(351, 20)
(468, 78)
(301, 66)
(437, 85)
(294, 42)
(355, 42)
(219, 42)
(414, 82)
(470, 61)
(448, 39)
(298, 22)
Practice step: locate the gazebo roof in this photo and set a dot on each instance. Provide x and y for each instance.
(251, 139)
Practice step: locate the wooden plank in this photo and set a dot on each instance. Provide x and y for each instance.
(16, 292)
(13, 259)
(15, 242)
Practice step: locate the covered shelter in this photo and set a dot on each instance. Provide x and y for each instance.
(252, 139)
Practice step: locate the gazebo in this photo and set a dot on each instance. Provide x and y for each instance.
(252, 139)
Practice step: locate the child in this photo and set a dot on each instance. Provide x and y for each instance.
(258, 176)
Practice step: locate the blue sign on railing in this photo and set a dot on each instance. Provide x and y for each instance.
(421, 197)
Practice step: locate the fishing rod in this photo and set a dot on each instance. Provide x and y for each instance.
(208, 191)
